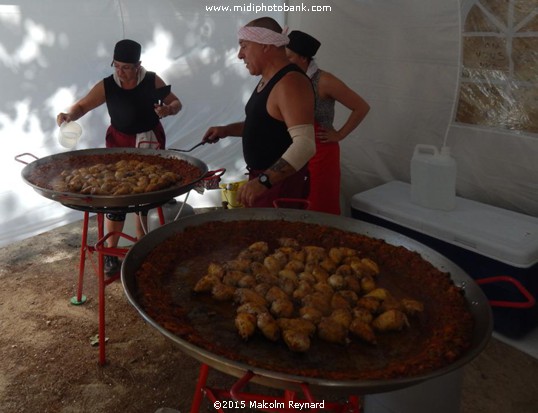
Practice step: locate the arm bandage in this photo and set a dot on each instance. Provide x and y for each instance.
(303, 146)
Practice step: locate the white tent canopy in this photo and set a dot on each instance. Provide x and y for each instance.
(404, 57)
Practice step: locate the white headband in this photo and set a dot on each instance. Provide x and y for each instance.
(263, 36)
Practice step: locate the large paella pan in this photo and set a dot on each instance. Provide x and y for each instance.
(42, 173)
(204, 329)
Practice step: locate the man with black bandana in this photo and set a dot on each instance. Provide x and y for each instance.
(278, 130)
(135, 116)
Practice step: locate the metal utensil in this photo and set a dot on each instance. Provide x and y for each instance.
(188, 150)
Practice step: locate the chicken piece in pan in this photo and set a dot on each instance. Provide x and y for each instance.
(246, 295)
(239, 264)
(206, 283)
(344, 270)
(245, 323)
(362, 314)
(288, 274)
(342, 316)
(223, 292)
(295, 265)
(273, 263)
(353, 283)
(296, 341)
(302, 290)
(324, 288)
(262, 288)
(311, 314)
(282, 307)
(215, 269)
(265, 277)
(275, 293)
(379, 293)
(252, 255)
(247, 281)
(297, 324)
(268, 326)
(371, 266)
(367, 284)
(318, 300)
(288, 242)
(251, 309)
(391, 320)
(232, 277)
(338, 301)
(350, 296)
(337, 281)
(314, 254)
(332, 332)
(328, 265)
(320, 274)
(411, 307)
(371, 304)
(362, 330)
(261, 246)
(307, 277)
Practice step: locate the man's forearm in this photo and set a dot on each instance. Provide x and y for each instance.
(234, 129)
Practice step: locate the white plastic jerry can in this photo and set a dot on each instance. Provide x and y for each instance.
(433, 177)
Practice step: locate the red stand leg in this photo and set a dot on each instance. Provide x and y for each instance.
(80, 298)
(161, 215)
(101, 294)
(102, 282)
(262, 402)
(200, 385)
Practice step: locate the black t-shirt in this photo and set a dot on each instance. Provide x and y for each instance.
(132, 110)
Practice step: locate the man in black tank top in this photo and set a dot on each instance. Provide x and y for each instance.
(278, 130)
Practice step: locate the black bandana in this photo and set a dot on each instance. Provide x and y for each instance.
(127, 51)
(303, 44)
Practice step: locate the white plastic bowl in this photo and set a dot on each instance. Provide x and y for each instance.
(69, 134)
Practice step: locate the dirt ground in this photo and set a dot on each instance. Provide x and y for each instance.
(48, 363)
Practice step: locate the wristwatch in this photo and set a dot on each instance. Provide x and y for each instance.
(264, 180)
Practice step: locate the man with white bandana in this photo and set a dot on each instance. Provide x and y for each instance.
(135, 114)
(278, 130)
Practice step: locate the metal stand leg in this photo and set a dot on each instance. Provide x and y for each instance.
(199, 391)
(102, 282)
(79, 298)
(101, 294)
(288, 402)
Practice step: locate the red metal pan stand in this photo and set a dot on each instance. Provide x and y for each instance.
(288, 402)
(100, 249)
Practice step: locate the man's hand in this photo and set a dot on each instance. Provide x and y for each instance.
(213, 134)
(249, 192)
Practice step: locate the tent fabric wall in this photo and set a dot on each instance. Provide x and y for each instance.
(402, 56)
(48, 61)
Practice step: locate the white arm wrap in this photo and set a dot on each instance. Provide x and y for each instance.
(303, 146)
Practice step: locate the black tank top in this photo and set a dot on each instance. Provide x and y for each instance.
(131, 110)
(265, 139)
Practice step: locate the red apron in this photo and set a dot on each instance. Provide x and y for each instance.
(116, 139)
(324, 169)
